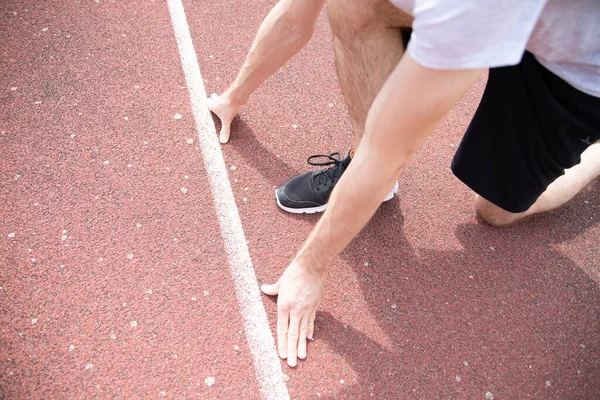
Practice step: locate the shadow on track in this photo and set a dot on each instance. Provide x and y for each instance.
(508, 313)
(244, 141)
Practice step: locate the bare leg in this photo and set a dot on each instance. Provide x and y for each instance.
(285, 30)
(367, 45)
(558, 193)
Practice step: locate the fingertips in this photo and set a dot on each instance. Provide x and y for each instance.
(292, 359)
(302, 346)
(292, 362)
(282, 353)
(271, 290)
(224, 136)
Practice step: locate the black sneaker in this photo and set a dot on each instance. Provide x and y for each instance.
(309, 193)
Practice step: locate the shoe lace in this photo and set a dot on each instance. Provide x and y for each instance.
(328, 176)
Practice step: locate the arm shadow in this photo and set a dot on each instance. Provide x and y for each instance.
(506, 313)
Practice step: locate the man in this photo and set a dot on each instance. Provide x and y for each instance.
(530, 147)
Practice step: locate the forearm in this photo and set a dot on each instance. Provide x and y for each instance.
(411, 104)
(353, 202)
(285, 30)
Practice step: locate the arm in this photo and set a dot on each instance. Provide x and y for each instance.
(396, 127)
(285, 30)
(411, 104)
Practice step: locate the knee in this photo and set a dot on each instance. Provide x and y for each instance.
(351, 17)
(494, 215)
(346, 15)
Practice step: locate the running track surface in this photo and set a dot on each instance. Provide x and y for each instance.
(114, 279)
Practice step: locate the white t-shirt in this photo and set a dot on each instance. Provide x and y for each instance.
(564, 35)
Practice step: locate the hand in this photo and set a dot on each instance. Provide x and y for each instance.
(225, 110)
(299, 293)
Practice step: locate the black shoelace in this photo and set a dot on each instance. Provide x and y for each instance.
(329, 176)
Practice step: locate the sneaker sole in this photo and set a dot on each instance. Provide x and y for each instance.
(312, 210)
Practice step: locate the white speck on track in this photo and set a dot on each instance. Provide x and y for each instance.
(260, 338)
(210, 381)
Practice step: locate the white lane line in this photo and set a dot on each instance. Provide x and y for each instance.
(260, 338)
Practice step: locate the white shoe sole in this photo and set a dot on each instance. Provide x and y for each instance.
(312, 210)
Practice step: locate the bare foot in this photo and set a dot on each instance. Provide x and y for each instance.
(223, 109)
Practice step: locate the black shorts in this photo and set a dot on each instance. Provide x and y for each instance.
(530, 126)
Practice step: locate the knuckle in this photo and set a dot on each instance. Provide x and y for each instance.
(283, 307)
(297, 311)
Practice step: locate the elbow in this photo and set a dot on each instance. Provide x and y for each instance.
(298, 31)
(296, 26)
(305, 32)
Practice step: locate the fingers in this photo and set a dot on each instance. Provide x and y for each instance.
(310, 334)
(282, 332)
(292, 336)
(222, 111)
(299, 293)
(307, 331)
(282, 319)
(292, 340)
(302, 338)
(271, 290)
(225, 131)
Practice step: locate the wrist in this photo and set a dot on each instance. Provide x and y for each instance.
(312, 263)
(235, 98)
